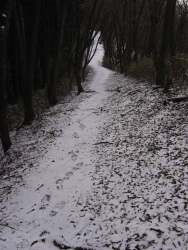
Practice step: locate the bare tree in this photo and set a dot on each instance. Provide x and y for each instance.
(87, 21)
(4, 30)
(29, 114)
(57, 55)
(167, 41)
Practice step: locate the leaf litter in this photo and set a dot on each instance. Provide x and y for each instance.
(104, 170)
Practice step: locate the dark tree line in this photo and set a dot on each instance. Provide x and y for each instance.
(4, 30)
(135, 29)
(40, 42)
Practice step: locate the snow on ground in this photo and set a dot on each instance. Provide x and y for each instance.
(104, 170)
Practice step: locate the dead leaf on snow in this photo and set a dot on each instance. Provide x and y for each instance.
(164, 241)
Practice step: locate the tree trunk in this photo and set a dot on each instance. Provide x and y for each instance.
(167, 35)
(45, 58)
(21, 20)
(79, 82)
(20, 47)
(16, 87)
(29, 114)
(4, 29)
(136, 21)
(57, 56)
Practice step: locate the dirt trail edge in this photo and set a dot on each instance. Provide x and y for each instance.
(108, 170)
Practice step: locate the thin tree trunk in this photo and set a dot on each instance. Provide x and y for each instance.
(79, 81)
(167, 34)
(4, 29)
(89, 55)
(45, 58)
(136, 20)
(16, 87)
(29, 114)
(20, 47)
(21, 20)
(57, 57)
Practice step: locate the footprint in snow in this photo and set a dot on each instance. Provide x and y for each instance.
(68, 174)
(60, 205)
(23, 244)
(53, 213)
(82, 126)
(78, 166)
(74, 157)
(59, 184)
(75, 135)
(45, 200)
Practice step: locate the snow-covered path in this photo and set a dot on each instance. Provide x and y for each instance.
(108, 171)
(49, 200)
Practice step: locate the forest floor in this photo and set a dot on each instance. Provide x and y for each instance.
(107, 169)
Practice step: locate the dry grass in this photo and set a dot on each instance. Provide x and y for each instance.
(179, 67)
(176, 70)
(143, 69)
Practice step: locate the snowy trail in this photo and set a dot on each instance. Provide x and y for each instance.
(52, 191)
(107, 170)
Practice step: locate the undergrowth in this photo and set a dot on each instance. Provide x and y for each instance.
(143, 69)
(15, 113)
(176, 70)
(180, 67)
(108, 64)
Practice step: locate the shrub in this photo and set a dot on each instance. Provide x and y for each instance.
(179, 67)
